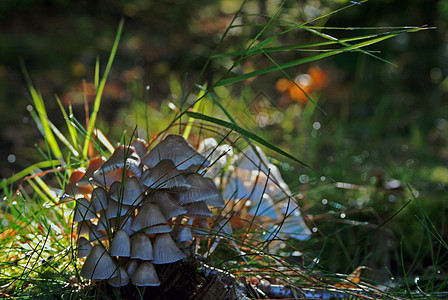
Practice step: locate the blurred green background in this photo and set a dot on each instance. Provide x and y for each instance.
(383, 122)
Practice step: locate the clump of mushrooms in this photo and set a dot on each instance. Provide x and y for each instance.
(255, 188)
(127, 208)
(138, 208)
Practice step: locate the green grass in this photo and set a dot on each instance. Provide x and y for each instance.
(36, 248)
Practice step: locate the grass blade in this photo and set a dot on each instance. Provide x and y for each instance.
(99, 93)
(304, 60)
(40, 107)
(250, 136)
(29, 170)
(195, 108)
(62, 138)
(70, 127)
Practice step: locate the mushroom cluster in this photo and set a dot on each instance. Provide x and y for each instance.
(256, 188)
(134, 209)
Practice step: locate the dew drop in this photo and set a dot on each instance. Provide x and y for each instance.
(304, 178)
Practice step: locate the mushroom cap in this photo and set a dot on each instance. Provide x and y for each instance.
(164, 175)
(121, 280)
(99, 264)
(253, 158)
(141, 247)
(166, 250)
(84, 247)
(235, 189)
(140, 147)
(207, 146)
(264, 208)
(83, 227)
(255, 181)
(223, 226)
(104, 223)
(200, 226)
(84, 210)
(99, 199)
(126, 193)
(219, 155)
(95, 234)
(150, 219)
(184, 234)
(125, 224)
(112, 169)
(175, 148)
(115, 209)
(121, 244)
(145, 275)
(293, 225)
(132, 266)
(94, 164)
(198, 209)
(72, 188)
(277, 187)
(167, 204)
(201, 189)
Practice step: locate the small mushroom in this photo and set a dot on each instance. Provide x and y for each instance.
(132, 266)
(115, 210)
(99, 199)
(140, 147)
(84, 211)
(124, 157)
(126, 223)
(176, 149)
(141, 247)
(150, 219)
(235, 189)
(253, 158)
(121, 280)
(183, 233)
(72, 188)
(94, 164)
(166, 250)
(83, 227)
(198, 209)
(167, 204)
(222, 226)
(201, 189)
(99, 265)
(127, 192)
(164, 175)
(293, 224)
(264, 208)
(145, 275)
(121, 244)
(96, 235)
(104, 223)
(219, 155)
(200, 226)
(84, 247)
